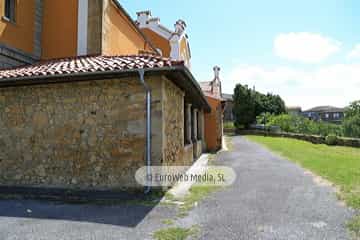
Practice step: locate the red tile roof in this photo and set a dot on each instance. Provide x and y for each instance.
(210, 90)
(80, 68)
(88, 64)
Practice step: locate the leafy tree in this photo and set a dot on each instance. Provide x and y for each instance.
(244, 106)
(352, 126)
(248, 104)
(268, 103)
(274, 104)
(352, 120)
(353, 109)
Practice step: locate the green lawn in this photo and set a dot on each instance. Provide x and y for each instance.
(339, 165)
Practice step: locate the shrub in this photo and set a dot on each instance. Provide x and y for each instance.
(284, 121)
(331, 140)
(299, 124)
(352, 126)
(229, 125)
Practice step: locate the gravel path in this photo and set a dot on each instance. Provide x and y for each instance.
(272, 198)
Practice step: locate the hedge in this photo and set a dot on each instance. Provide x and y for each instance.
(339, 141)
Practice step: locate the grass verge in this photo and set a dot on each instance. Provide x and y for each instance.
(167, 221)
(354, 226)
(175, 233)
(339, 165)
(196, 194)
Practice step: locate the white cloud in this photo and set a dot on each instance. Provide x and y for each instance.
(336, 84)
(305, 47)
(355, 52)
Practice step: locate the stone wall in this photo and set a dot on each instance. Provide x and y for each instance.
(197, 148)
(188, 155)
(339, 141)
(80, 135)
(173, 108)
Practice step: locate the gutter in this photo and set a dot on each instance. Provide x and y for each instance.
(147, 129)
(72, 77)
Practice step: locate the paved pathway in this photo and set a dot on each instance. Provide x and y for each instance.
(272, 198)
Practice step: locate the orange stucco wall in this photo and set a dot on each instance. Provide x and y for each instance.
(20, 34)
(119, 36)
(59, 34)
(158, 41)
(213, 125)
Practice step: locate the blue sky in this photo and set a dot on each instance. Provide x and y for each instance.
(303, 50)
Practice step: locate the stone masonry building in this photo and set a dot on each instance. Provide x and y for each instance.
(80, 122)
(74, 113)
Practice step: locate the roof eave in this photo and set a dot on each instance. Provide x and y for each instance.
(196, 85)
(171, 71)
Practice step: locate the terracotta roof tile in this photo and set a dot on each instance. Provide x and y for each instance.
(84, 64)
(210, 91)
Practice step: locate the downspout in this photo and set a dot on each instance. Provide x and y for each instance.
(148, 128)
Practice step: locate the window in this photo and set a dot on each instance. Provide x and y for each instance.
(326, 115)
(10, 10)
(336, 115)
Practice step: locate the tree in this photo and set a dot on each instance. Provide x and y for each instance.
(353, 109)
(352, 126)
(352, 120)
(268, 103)
(244, 106)
(248, 104)
(274, 104)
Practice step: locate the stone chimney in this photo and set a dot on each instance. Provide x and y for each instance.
(180, 26)
(216, 83)
(154, 21)
(143, 17)
(216, 72)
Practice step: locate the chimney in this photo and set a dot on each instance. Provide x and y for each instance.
(180, 26)
(216, 83)
(143, 17)
(154, 21)
(216, 72)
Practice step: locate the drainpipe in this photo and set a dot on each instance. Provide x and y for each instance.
(148, 127)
